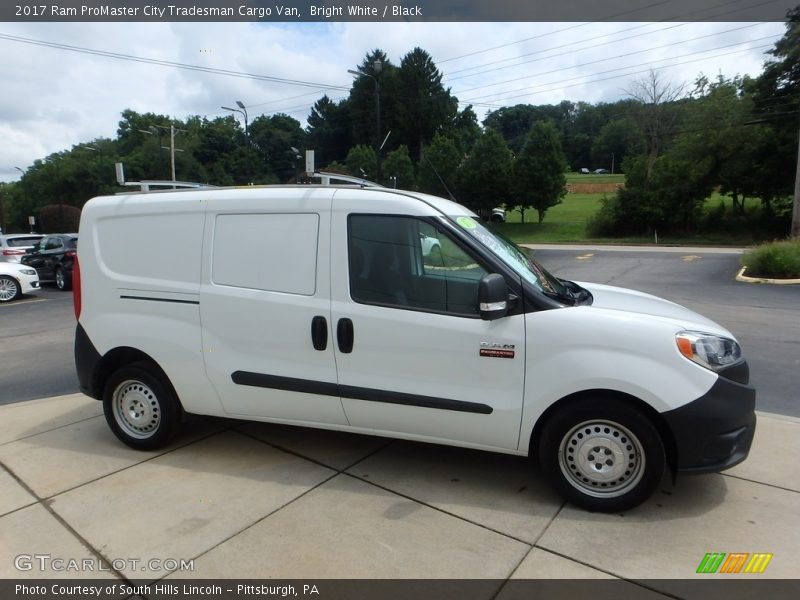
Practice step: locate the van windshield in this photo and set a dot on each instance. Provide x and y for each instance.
(517, 258)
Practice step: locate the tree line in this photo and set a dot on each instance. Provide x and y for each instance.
(676, 144)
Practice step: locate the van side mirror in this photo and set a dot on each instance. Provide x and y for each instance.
(492, 297)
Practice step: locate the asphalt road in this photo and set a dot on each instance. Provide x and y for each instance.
(36, 333)
(36, 336)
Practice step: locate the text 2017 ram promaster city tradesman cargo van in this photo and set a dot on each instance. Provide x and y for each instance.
(397, 314)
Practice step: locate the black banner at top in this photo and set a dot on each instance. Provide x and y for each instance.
(414, 11)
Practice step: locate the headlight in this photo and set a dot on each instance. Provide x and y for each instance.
(27, 271)
(712, 351)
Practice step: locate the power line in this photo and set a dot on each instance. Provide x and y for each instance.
(167, 63)
(594, 47)
(602, 60)
(314, 93)
(581, 81)
(449, 77)
(685, 16)
(549, 33)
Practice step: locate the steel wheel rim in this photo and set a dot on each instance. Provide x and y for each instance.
(601, 458)
(8, 289)
(136, 409)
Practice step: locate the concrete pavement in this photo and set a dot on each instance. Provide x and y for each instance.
(250, 500)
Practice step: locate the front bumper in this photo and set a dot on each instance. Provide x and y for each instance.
(715, 431)
(29, 284)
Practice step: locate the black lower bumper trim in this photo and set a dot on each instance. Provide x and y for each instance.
(715, 431)
(86, 359)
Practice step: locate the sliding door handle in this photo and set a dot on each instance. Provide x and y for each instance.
(319, 333)
(344, 335)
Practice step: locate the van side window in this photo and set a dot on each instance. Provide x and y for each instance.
(408, 263)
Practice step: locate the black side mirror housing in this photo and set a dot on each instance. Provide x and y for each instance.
(492, 297)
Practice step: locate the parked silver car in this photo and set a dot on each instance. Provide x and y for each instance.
(14, 246)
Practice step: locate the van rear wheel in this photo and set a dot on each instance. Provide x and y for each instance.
(140, 408)
(602, 454)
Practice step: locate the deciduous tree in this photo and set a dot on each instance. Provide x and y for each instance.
(538, 171)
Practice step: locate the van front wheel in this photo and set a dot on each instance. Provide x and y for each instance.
(602, 454)
(140, 408)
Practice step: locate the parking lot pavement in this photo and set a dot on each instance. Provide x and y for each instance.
(249, 500)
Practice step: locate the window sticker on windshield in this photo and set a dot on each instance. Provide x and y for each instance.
(466, 222)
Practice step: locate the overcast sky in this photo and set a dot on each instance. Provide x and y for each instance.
(53, 99)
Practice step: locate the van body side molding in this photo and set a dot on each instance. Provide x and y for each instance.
(323, 388)
(289, 384)
(153, 299)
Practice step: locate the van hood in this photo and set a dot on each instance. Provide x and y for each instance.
(631, 301)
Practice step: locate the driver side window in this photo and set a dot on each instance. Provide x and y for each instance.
(404, 262)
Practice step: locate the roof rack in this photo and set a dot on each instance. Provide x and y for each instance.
(326, 179)
(149, 184)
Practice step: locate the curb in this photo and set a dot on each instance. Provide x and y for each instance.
(744, 278)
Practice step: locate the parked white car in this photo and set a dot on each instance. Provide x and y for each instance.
(316, 306)
(16, 280)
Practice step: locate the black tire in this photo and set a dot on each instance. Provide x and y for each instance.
(140, 407)
(63, 280)
(9, 289)
(602, 454)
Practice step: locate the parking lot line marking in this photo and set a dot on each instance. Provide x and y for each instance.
(585, 256)
(20, 303)
(690, 258)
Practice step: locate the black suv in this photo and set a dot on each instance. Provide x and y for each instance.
(53, 258)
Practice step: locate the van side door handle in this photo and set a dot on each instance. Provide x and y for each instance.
(344, 335)
(319, 333)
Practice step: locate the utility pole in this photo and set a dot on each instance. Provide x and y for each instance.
(795, 233)
(156, 130)
(172, 150)
(377, 67)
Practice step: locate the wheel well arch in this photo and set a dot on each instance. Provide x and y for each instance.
(117, 358)
(670, 447)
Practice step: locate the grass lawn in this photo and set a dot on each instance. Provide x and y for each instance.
(566, 223)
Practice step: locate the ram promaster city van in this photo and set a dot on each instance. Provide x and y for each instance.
(326, 306)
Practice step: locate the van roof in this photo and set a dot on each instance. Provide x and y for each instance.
(443, 205)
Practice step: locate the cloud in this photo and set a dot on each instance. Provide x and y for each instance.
(53, 99)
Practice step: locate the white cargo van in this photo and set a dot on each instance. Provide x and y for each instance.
(319, 306)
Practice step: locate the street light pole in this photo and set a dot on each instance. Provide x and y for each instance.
(242, 111)
(25, 190)
(240, 104)
(296, 154)
(376, 68)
